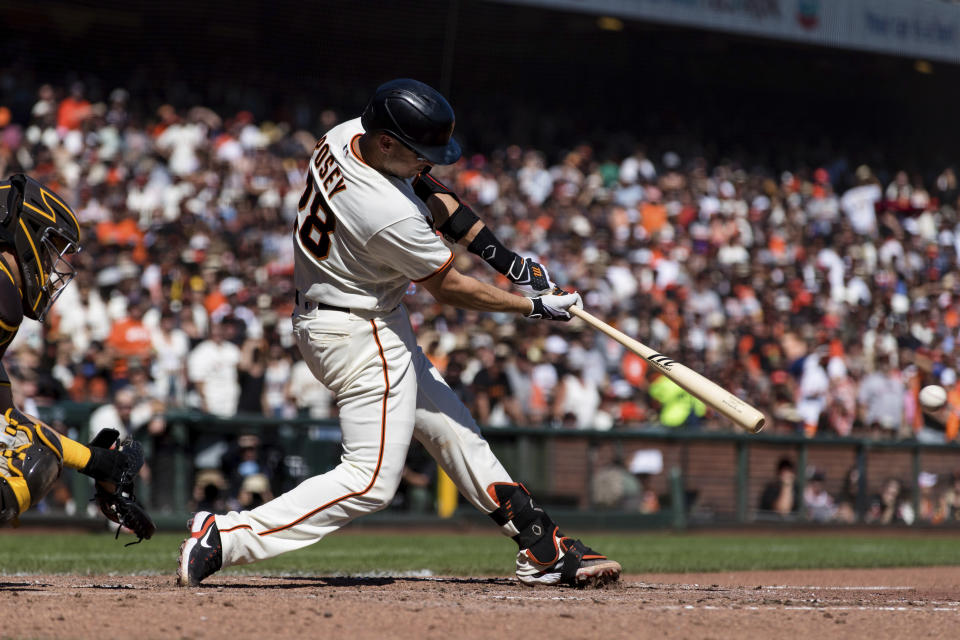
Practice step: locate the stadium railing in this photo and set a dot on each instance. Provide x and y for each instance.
(707, 477)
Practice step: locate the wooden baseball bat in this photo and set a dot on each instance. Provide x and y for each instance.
(712, 394)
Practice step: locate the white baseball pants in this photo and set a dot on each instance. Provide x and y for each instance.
(387, 392)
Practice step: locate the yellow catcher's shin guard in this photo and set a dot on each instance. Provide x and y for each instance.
(31, 462)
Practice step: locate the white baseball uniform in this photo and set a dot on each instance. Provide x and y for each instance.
(361, 238)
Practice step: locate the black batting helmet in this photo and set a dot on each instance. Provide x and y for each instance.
(417, 115)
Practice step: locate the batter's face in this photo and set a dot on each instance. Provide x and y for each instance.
(400, 160)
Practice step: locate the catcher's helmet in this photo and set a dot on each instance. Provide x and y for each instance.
(41, 230)
(417, 115)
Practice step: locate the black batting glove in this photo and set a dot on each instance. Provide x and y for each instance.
(529, 275)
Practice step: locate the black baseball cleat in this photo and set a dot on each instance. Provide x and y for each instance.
(577, 566)
(201, 554)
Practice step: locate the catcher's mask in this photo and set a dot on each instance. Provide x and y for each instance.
(42, 231)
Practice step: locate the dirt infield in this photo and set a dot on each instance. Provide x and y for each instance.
(876, 604)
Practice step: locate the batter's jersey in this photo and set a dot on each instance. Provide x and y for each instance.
(361, 237)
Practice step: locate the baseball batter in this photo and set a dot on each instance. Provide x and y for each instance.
(367, 228)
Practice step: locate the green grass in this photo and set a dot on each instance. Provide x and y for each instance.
(476, 554)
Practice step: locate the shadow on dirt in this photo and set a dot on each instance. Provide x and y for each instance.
(24, 586)
(300, 582)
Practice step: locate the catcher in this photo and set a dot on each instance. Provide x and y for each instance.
(38, 234)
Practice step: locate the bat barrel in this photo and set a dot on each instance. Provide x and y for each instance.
(741, 413)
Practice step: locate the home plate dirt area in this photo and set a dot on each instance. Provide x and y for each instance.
(876, 604)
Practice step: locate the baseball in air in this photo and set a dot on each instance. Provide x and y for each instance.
(932, 397)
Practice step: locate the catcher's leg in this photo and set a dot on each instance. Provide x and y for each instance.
(450, 434)
(30, 463)
(35, 454)
(98, 460)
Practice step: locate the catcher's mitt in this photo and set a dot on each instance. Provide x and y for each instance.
(120, 504)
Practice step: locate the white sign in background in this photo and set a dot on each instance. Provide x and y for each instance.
(912, 28)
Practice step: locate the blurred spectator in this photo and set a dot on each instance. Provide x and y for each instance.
(881, 399)
(415, 493)
(252, 368)
(613, 486)
(841, 408)
(171, 346)
(817, 503)
(950, 499)
(950, 414)
(644, 464)
(812, 390)
(129, 343)
(117, 414)
(248, 459)
(677, 407)
(929, 505)
(276, 379)
(254, 491)
(209, 491)
(73, 109)
(576, 394)
(495, 404)
(890, 506)
(310, 397)
(213, 371)
(859, 202)
(781, 496)
(847, 501)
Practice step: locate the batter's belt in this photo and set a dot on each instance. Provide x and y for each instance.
(310, 305)
(307, 306)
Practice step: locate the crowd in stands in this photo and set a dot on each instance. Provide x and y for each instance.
(886, 501)
(826, 296)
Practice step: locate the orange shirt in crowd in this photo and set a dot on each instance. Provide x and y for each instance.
(653, 217)
(214, 300)
(72, 113)
(124, 233)
(953, 418)
(129, 338)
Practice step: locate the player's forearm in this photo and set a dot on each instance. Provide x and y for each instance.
(486, 298)
(458, 290)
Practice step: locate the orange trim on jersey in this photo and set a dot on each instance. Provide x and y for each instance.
(383, 437)
(355, 150)
(442, 267)
(239, 526)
